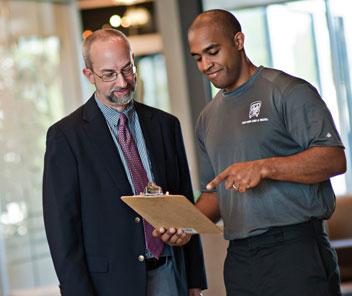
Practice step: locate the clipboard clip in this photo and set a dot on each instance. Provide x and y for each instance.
(152, 189)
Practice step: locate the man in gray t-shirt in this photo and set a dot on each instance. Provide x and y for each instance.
(267, 147)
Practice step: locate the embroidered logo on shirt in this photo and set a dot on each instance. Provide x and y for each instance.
(328, 135)
(254, 111)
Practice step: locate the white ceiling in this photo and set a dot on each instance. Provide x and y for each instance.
(231, 4)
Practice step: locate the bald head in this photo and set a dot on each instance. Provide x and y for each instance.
(219, 19)
(102, 35)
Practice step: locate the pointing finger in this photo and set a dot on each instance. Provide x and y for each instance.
(217, 180)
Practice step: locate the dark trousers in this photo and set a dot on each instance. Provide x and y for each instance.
(295, 260)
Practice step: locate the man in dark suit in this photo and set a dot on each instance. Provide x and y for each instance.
(106, 149)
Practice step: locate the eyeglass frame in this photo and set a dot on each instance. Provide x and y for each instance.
(116, 73)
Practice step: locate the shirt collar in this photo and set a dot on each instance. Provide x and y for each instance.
(112, 115)
(243, 87)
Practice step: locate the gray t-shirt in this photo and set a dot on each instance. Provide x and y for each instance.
(272, 114)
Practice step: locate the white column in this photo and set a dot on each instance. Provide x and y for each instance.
(170, 29)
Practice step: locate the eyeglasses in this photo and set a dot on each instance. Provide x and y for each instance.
(109, 76)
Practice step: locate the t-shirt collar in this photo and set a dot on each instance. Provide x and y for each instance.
(244, 86)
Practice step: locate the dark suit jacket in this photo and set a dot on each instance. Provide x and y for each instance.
(93, 236)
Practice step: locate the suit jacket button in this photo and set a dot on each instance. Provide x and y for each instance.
(140, 258)
(137, 219)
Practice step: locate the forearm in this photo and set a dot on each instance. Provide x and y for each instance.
(208, 204)
(313, 165)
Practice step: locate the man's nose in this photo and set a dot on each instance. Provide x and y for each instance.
(206, 64)
(120, 80)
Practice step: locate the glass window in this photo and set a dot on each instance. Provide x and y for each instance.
(31, 101)
(37, 71)
(255, 28)
(339, 15)
(152, 81)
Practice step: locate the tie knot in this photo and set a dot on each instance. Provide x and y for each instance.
(123, 119)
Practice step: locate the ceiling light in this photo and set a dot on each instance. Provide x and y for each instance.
(137, 16)
(128, 2)
(125, 22)
(115, 21)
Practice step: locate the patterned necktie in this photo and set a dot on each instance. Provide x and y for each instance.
(139, 179)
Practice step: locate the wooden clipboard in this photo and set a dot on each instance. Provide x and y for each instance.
(171, 211)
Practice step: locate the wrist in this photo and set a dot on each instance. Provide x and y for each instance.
(267, 168)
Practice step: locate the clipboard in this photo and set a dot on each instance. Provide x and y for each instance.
(171, 211)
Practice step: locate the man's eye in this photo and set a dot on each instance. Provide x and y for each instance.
(109, 74)
(213, 52)
(197, 58)
(127, 70)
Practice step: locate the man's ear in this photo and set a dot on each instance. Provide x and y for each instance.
(89, 74)
(239, 40)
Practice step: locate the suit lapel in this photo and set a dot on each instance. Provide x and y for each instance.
(153, 140)
(99, 135)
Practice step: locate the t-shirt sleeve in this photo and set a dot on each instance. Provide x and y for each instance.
(206, 172)
(308, 119)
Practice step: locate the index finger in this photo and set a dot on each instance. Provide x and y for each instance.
(217, 180)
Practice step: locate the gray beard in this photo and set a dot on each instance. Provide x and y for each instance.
(121, 101)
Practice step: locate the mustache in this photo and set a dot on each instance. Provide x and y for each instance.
(120, 88)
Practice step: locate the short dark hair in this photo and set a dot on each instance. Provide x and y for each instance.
(222, 19)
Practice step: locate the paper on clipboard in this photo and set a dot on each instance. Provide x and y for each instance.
(171, 211)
